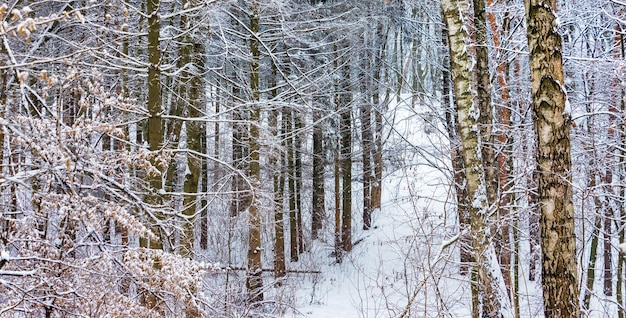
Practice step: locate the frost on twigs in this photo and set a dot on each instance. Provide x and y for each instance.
(70, 235)
(22, 22)
(172, 275)
(150, 161)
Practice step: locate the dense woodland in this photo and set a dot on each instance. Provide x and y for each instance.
(181, 158)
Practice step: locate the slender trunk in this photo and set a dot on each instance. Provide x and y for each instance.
(377, 183)
(366, 138)
(155, 121)
(279, 244)
(493, 298)
(399, 55)
(337, 165)
(622, 178)
(298, 177)
(318, 207)
(196, 136)
(239, 157)
(276, 161)
(377, 146)
(607, 248)
(483, 101)
(254, 278)
(610, 201)
(504, 118)
(593, 251)
(516, 256)
(337, 179)
(293, 220)
(154, 129)
(346, 163)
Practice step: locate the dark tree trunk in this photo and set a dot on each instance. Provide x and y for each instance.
(346, 162)
(318, 208)
(254, 276)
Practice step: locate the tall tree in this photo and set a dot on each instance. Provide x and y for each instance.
(288, 122)
(277, 161)
(490, 284)
(318, 206)
(483, 101)
(345, 130)
(154, 131)
(504, 162)
(456, 158)
(552, 126)
(367, 140)
(254, 277)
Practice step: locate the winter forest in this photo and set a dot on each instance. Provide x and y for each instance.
(312, 158)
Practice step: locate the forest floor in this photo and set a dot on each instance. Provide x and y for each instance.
(398, 268)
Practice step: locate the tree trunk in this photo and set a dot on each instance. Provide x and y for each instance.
(337, 188)
(621, 47)
(595, 234)
(558, 240)
(318, 207)
(366, 139)
(346, 161)
(154, 131)
(291, 174)
(240, 151)
(483, 101)
(254, 278)
(377, 151)
(493, 297)
(504, 169)
(196, 134)
(456, 158)
(377, 184)
(276, 161)
(298, 177)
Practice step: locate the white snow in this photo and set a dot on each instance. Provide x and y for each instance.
(408, 264)
(4, 255)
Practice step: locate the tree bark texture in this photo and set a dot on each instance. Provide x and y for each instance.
(558, 241)
(276, 160)
(154, 131)
(318, 207)
(366, 138)
(377, 151)
(254, 278)
(492, 292)
(291, 168)
(298, 175)
(503, 162)
(483, 101)
(456, 158)
(346, 161)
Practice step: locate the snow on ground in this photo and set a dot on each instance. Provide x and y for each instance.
(398, 269)
(390, 267)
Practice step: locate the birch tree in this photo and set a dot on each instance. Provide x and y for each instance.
(493, 300)
(552, 124)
